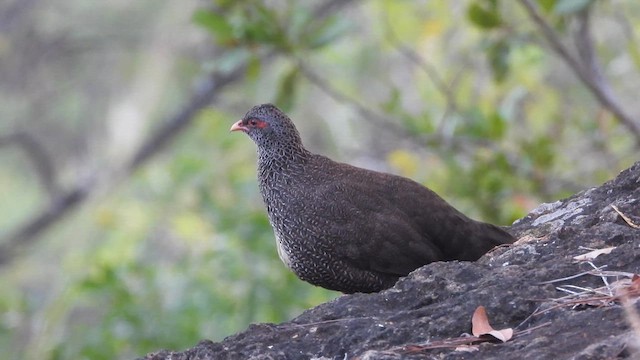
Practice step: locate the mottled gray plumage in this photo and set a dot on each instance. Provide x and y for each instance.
(350, 229)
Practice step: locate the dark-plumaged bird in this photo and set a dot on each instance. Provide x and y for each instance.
(350, 229)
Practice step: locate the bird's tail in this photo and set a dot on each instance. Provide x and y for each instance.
(485, 238)
(495, 235)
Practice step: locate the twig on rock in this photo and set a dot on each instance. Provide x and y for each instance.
(625, 218)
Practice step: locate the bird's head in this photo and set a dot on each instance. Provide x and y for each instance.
(268, 127)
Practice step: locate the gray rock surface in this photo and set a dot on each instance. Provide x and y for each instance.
(436, 302)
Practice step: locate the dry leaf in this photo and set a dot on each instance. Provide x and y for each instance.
(480, 326)
(480, 322)
(467, 348)
(593, 254)
(629, 288)
(528, 238)
(625, 218)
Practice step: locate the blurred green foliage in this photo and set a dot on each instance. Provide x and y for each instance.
(459, 95)
(185, 252)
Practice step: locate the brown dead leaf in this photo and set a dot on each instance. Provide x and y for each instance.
(480, 322)
(629, 288)
(593, 254)
(480, 326)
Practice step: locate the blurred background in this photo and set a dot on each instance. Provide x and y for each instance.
(130, 218)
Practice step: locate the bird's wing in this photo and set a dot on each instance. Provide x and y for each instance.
(382, 222)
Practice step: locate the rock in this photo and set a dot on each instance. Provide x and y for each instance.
(436, 302)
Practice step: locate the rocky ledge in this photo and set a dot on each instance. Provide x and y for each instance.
(561, 299)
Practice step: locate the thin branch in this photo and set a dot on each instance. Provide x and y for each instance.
(584, 71)
(68, 200)
(626, 27)
(460, 144)
(14, 12)
(202, 97)
(56, 210)
(584, 45)
(381, 120)
(428, 68)
(205, 95)
(329, 7)
(38, 156)
(438, 82)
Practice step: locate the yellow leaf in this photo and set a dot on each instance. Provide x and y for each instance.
(432, 28)
(405, 162)
(191, 227)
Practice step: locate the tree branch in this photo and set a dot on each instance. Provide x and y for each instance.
(588, 71)
(459, 144)
(384, 121)
(56, 210)
(431, 71)
(35, 152)
(202, 97)
(68, 200)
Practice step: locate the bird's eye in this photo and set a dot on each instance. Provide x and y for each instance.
(253, 122)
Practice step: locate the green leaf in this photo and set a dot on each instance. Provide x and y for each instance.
(547, 5)
(423, 123)
(287, 90)
(262, 26)
(492, 3)
(492, 126)
(216, 24)
(484, 17)
(541, 151)
(298, 23)
(253, 67)
(565, 7)
(393, 104)
(634, 54)
(231, 58)
(475, 124)
(331, 30)
(497, 126)
(498, 54)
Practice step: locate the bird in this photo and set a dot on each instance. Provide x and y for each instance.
(351, 229)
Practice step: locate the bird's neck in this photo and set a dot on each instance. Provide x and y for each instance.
(282, 159)
(278, 169)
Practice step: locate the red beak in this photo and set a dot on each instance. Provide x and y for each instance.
(238, 127)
